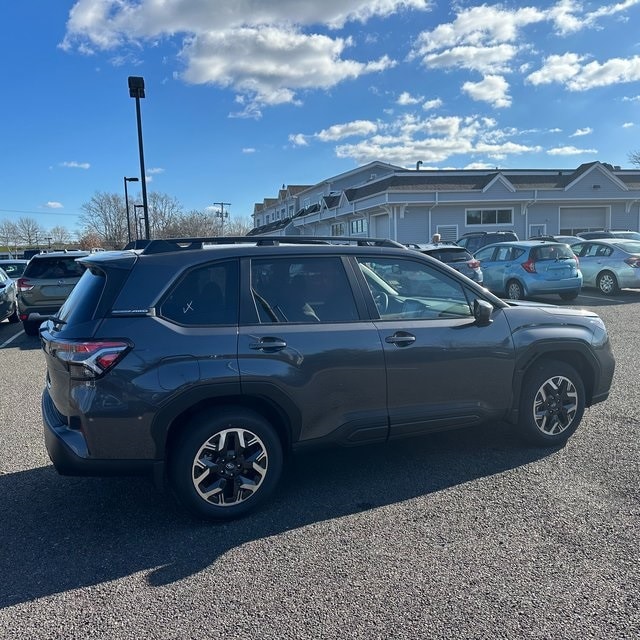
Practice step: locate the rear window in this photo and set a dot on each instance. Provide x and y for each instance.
(450, 254)
(552, 252)
(13, 269)
(64, 267)
(83, 300)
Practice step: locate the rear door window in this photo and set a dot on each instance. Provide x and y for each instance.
(204, 296)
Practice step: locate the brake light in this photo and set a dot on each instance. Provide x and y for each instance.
(633, 262)
(473, 264)
(529, 265)
(23, 284)
(90, 359)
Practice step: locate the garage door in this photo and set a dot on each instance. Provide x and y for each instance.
(576, 219)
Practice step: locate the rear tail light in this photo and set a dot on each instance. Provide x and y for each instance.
(529, 265)
(90, 359)
(24, 284)
(473, 264)
(633, 262)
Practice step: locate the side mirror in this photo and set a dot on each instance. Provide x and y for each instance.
(482, 312)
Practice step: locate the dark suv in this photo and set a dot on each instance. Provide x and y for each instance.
(475, 240)
(206, 361)
(45, 284)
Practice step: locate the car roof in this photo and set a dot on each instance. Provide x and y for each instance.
(522, 243)
(72, 253)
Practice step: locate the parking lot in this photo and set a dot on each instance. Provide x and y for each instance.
(466, 534)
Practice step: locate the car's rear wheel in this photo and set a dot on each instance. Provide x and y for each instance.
(226, 463)
(607, 283)
(515, 290)
(552, 403)
(31, 328)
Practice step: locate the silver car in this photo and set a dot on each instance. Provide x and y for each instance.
(609, 263)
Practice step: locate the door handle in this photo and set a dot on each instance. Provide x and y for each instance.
(401, 339)
(268, 344)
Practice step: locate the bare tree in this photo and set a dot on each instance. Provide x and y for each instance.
(89, 241)
(105, 217)
(9, 235)
(30, 232)
(164, 212)
(192, 224)
(634, 158)
(237, 227)
(60, 236)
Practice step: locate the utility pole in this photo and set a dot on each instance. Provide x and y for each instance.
(222, 214)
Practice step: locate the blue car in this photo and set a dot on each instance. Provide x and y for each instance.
(529, 268)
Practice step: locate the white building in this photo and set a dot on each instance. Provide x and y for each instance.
(386, 201)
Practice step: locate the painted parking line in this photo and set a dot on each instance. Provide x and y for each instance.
(10, 340)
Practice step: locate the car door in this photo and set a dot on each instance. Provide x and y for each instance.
(492, 279)
(590, 260)
(443, 370)
(303, 344)
(7, 295)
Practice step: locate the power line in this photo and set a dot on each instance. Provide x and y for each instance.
(39, 213)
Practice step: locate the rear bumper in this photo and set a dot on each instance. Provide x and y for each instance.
(67, 449)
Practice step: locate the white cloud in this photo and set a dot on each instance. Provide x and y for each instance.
(492, 89)
(405, 99)
(347, 130)
(259, 48)
(298, 139)
(569, 151)
(54, 205)
(75, 165)
(155, 171)
(576, 76)
(432, 104)
(628, 125)
(581, 132)
(248, 150)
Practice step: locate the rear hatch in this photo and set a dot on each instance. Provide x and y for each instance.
(554, 261)
(72, 352)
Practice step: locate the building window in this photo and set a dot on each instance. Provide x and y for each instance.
(337, 229)
(267, 219)
(489, 216)
(359, 226)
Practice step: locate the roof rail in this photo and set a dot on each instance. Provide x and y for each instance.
(167, 245)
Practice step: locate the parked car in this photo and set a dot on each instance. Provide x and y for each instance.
(454, 255)
(564, 239)
(530, 268)
(8, 304)
(14, 268)
(609, 263)
(208, 361)
(475, 240)
(595, 235)
(626, 234)
(46, 283)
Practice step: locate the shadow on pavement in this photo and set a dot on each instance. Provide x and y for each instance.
(60, 533)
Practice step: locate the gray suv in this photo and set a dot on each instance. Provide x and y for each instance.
(45, 284)
(205, 362)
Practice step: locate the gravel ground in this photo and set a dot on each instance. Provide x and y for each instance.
(467, 534)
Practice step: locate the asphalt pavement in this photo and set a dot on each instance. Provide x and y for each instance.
(467, 534)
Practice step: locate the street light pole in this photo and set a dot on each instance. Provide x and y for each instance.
(136, 90)
(126, 200)
(138, 218)
(222, 214)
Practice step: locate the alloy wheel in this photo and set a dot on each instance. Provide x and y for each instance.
(230, 467)
(555, 405)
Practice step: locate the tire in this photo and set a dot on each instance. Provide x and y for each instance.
(31, 328)
(515, 291)
(13, 318)
(552, 403)
(569, 295)
(607, 283)
(226, 463)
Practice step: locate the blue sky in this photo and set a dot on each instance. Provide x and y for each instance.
(243, 96)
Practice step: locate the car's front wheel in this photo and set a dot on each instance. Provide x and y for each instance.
(13, 318)
(552, 403)
(226, 463)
